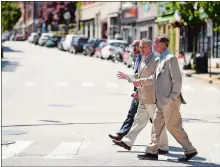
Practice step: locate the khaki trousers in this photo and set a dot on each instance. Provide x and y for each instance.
(144, 113)
(170, 118)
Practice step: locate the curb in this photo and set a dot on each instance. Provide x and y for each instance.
(207, 80)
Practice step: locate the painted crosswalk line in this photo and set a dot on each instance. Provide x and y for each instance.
(14, 149)
(30, 83)
(66, 150)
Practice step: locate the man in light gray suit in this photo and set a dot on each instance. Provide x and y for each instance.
(146, 96)
(167, 83)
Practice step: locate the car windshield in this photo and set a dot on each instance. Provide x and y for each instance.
(82, 40)
(116, 44)
(97, 42)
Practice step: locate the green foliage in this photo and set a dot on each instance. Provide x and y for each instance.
(195, 13)
(11, 13)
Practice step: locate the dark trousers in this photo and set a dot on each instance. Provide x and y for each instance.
(126, 126)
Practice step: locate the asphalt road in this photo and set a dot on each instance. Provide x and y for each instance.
(58, 109)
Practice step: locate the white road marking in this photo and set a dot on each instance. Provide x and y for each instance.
(29, 83)
(87, 84)
(163, 157)
(66, 150)
(112, 85)
(3, 82)
(214, 153)
(14, 149)
(187, 88)
(211, 88)
(62, 84)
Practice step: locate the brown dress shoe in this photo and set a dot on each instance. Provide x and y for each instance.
(162, 152)
(122, 144)
(116, 137)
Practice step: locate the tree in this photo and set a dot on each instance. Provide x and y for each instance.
(11, 13)
(193, 14)
(191, 17)
(211, 9)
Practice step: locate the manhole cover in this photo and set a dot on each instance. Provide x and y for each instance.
(4, 142)
(60, 105)
(13, 132)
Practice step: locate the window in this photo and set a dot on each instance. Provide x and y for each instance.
(150, 29)
(143, 34)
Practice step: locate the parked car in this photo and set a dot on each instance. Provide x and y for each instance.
(60, 43)
(19, 37)
(53, 41)
(90, 47)
(31, 37)
(67, 42)
(44, 38)
(118, 56)
(131, 59)
(98, 49)
(77, 44)
(36, 38)
(110, 49)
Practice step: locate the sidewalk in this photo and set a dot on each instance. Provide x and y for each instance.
(215, 74)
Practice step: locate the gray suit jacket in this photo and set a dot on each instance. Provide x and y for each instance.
(167, 81)
(147, 69)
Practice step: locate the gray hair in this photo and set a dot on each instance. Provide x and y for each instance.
(147, 41)
(163, 38)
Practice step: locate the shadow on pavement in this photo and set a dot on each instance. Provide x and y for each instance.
(7, 49)
(194, 163)
(9, 66)
(58, 123)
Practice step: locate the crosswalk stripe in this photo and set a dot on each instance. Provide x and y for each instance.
(62, 84)
(87, 84)
(112, 85)
(66, 150)
(29, 83)
(14, 149)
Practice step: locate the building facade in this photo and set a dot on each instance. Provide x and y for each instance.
(165, 18)
(100, 19)
(145, 24)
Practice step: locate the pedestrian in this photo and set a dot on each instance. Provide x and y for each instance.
(147, 102)
(126, 126)
(167, 83)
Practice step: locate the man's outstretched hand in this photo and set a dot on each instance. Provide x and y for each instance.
(137, 84)
(121, 75)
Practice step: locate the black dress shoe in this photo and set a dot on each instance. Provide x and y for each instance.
(122, 144)
(187, 157)
(148, 156)
(116, 137)
(162, 152)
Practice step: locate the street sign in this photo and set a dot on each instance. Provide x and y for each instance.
(209, 28)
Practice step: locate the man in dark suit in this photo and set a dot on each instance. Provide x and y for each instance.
(126, 126)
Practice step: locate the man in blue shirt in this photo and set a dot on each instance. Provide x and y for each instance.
(126, 126)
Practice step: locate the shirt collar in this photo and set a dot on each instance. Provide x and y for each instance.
(164, 54)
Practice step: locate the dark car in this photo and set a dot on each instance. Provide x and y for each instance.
(90, 47)
(77, 44)
(53, 41)
(19, 37)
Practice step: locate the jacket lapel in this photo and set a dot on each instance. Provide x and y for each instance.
(160, 67)
(146, 63)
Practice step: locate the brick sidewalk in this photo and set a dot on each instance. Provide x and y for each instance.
(215, 75)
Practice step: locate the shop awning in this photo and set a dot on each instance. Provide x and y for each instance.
(165, 19)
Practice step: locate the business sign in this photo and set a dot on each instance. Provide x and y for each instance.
(129, 13)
